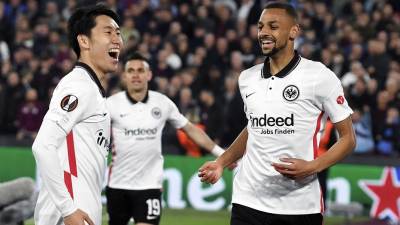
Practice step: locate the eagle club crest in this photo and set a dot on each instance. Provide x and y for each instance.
(69, 103)
(291, 92)
(156, 113)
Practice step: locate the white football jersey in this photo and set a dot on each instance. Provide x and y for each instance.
(136, 135)
(285, 113)
(78, 107)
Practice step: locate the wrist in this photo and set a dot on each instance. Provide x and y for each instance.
(315, 166)
(217, 151)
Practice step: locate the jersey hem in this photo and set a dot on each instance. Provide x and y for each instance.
(281, 212)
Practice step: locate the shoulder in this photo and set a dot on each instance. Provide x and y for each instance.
(75, 82)
(254, 71)
(158, 97)
(317, 68)
(115, 98)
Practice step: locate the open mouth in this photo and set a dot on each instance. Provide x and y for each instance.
(114, 53)
(267, 41)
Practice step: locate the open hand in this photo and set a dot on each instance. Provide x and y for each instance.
(210, 172)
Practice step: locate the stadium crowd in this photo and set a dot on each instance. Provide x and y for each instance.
(197, 50)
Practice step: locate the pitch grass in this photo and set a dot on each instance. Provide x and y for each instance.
(193, 217)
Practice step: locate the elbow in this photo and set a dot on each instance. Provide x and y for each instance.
(35, 148)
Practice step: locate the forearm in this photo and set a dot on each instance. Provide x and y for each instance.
(235, 151)
(340, 149)
(49, 138)
(199, 137)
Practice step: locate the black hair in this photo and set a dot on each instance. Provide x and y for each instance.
(290, 10)
(83, 20)
(136, 56)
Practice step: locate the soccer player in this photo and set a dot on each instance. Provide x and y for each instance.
(138, 116)
(72, 145)
(287, 99)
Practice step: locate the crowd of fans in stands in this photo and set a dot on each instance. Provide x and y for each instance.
(198, 48)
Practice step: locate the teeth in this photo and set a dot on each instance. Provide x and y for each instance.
(116, 50)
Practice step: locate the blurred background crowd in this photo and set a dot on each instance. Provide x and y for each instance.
(197, 49)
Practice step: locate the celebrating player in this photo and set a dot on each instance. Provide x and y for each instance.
(287, 99)
(73, 141)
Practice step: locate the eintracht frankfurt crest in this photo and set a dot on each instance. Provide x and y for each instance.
(291, 93)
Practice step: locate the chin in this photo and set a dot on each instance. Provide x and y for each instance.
(271, 52)
(112, 68)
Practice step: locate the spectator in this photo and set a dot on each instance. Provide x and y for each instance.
(232, 107)
(211, 115)
(356, 71)
(13, 93)
(388, 138)
(363, 129)
(30, 116)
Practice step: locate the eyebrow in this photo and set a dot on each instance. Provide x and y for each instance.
(111, 28)
(269, 22)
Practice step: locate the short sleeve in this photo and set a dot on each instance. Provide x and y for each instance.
(242, 95)
(69, 105)
(175, 117)
(329, 92)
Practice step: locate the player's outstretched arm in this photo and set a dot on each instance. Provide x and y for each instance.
(202, 139)
(298, 168)
(211, 171)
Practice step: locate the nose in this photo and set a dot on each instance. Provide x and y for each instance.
(264, 31)
(117, 39)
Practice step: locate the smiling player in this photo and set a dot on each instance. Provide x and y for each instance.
(73, 141)
(287, 99)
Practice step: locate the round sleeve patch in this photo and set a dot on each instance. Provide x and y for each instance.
(340, 100)
(69, 103)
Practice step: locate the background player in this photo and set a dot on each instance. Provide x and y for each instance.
(276, 182)
(138, 117)
(73, 142)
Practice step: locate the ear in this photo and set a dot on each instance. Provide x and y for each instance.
(150, 76)
(294, 32)
(83, 41)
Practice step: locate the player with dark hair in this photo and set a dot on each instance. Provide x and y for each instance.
(287, 99)
(138, 116)
(72, 144)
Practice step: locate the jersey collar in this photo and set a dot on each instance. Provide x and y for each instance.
(133, 101)
(266, 72)
(92, 75)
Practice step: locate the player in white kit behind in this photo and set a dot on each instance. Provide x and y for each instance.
(138, 117)
(72, 144)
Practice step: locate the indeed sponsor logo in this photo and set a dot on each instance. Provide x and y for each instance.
(264, 121)
(140, 131)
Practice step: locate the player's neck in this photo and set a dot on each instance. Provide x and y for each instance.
(138, 95)
(280, 60)
(100, 74)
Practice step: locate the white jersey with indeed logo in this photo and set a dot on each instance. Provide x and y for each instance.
(78, 107)
(136, 135)
(285, 113)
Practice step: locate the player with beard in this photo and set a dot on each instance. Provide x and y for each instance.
(287, 100)
(72, 144)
